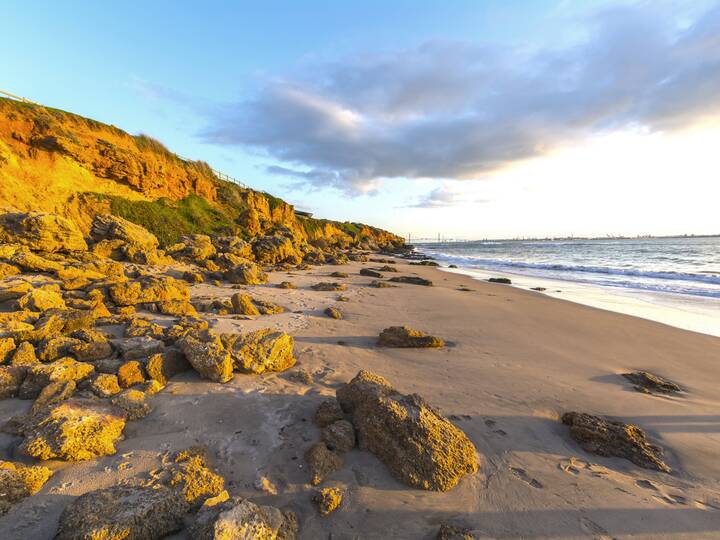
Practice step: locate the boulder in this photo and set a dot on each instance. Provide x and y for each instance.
(149, 289)
(130, 373)
(132, 403)
(614, 439)
(196, 247)
(502, 280)
(14, 289)
(328, 412)
(267, 308)
(105, 385)
(7, 270)
(413, 280)
(41, 375)
(193, 277)
(243, 304)
(333, 313)
(339, 436)
(322, 462)
(139, 347)
(53, 393)
(240, 519)
(163, 367)
(246, 274)
(327, 286)
(143, 328)
(30, 262)
(341, 274)
(648, 383)
(177, 308)
(207, 356)
(275, 249)
(42, 299)
(420, 447)
(370, 273)
(92, 351)
(74, 430)
(122, 512)
(24, 355)
(11, 378)
(7, 348)
(404, 336)
(327, 500)
(56, 347)
(260, 351)
(18, 481)
(109, 227)
(41, 232)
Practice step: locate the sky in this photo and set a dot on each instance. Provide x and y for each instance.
(465, 119)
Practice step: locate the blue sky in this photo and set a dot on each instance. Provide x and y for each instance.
(422, 117)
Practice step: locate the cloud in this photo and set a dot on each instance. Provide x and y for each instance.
(443, 197)
(453, 110)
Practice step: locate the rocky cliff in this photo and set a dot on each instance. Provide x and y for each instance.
(55, 161)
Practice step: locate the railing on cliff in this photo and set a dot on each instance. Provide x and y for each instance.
(221, 175)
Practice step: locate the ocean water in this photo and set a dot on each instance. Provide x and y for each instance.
(679, 278)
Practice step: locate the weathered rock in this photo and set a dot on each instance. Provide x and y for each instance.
(413, 280)
(7, 270)
(286, 285)
(339, 436)
(109, 227)
(424, 263)
(322, 462)
(14, 289)
(246, 274)
(327, 500)
(139, 347)
(74, 430)
(614, 439)
(11, 378)
(502, 280)
(149, 289)
(177, 308)
(163, 367)
(648, 383)
(196, 247)
(381, 284)
(132, 403)
(420, 447)
(275, 249)
(24, 355)
(340, 275)
(386, 268)
(41, 232)
(130, 373)
(105, 385)
(30, 262)
(191, 477)
(243, 520)
(326, 286)
(301, 375)
(333, 313)
(53, 393)
(122, 512)
(328, 412)
(18, 481)
(208, 357)
(91, 352)
(7, 347)
(267, 308)
(451, 532)
(243, 304)
(142, 327)
(42, 299)
(404, 336)
(183, 327)
(57, 347)
(41, 375)
(193, 277)
(370, 273)
(260, 351)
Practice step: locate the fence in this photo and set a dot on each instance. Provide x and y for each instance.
(221, 175)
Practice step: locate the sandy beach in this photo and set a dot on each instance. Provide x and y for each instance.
(515, 361)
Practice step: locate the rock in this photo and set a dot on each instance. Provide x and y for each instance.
(328, 413)
(149, 289)
(286, 285)
(7, 346)
(370, 273)
(340, 275)
(109, 227)
(122, 512)
(503, 280)
(41, 232)
(333, 313)
(243, 520)
(260, 351)
(42, 300)
(139, 347)
(322, 462)
(31, 262)
(263, 483)
(7, 270)
(105, 385)
(424, 263)
(141, 327)
(233, 245)
(14, 289)
(177, 308)
(385, 268)
(24, 355)
(74, 430)
(274, 249)
(130, 373)
(301, 375)
(339, 436)
(451, 532)
(648, 383)
(267, 308)
(420, 447)
(243, 304)
(404, 336)
(414, 280)
(132, 403)
(53, 393)
(193, 277)
(614, 439)
(539, 289)
(163, 367)
(381, 284)
(57, 347)
(191, 477)
(183, 327)
(11, 378)
(91, 352)
(342, 298)
(325, 286)
(18, 481)
(208, 357)
(327, 500)
(197, 247)
(41, 375)
(246, 274)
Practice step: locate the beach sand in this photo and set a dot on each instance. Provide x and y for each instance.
(515, 362)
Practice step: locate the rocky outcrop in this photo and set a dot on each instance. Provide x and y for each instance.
(260, 351)
(420, 447)
(406, 337)
(149, 289)
(107, 227)
(243, 519)
(614, 439)
(41, 232)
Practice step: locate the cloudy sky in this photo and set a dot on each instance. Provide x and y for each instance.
(468, 119)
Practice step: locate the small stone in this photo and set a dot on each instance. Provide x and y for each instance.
(325, 286)
(501, 280)
(327, 500)
(243, 304)
(286, 285)
(370, 273)
(451, 532)
(404, 336)
(333, 313)
(322, 462)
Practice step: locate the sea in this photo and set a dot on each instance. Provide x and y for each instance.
(671, 280)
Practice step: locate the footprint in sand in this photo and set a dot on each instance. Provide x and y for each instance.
(522, 475)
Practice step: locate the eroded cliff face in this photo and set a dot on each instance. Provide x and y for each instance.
(55, 161)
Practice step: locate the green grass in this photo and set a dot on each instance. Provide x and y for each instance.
(273, 202)
(169, 220)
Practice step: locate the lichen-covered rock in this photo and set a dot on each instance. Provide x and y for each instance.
(260, 351)
(109, 227)
(404, 336)
(7, 270)
(92, 351)
(327, 500)
(163, 367)
(413, 280)
(132, 403)
(243, 520)
(452, 532)
(149, 289)
(246, 274)
(139, 327)
(193, 277)
(74, 430)
(14, 289)
(130, 373)
(56, 347)
(370, 273)
(18, 481)
(139, 347)
(40, 375)
(7, 347)
(177, 308)
(339, 436)
(243, 304)
(30, 262)
(614, 439)
(11, 378)
(192, 477)
(333, 313)
(648, 383)
(122, 513)
(275, 249)
(42, 299)
(53, 393)
(286, 285)
(207, 356)
(41, 232)
(24, 355)
(322, 462)
(329, 286)
(105, 385)
(196, 247)
(328, 412)
(420, 447)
